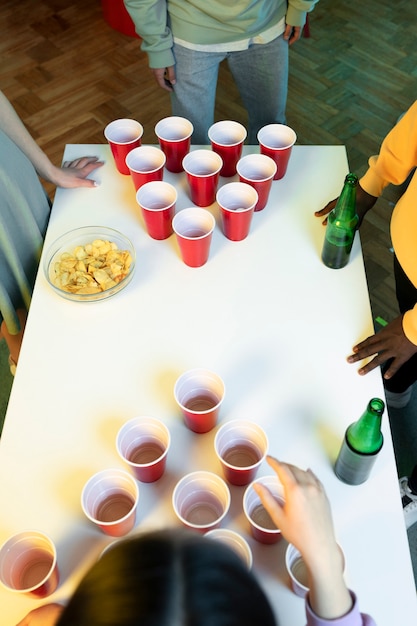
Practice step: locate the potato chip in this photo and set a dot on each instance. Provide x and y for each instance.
(92, 268)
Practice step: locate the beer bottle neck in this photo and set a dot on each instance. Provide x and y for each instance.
(345, 209)
(365, 435)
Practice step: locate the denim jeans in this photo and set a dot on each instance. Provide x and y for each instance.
(260, 73)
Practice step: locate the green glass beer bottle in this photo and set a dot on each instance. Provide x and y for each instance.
(363, 440)
(341, 226)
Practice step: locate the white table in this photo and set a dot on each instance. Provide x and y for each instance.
(268, 317)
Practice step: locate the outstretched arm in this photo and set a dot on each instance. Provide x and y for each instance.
(305, 521)
(73, 174)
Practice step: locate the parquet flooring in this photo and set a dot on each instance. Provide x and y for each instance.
(68, 73)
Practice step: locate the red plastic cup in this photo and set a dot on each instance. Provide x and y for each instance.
(241, 446)
(143, 443)
(297, 570)
(276, 141)
(193, 228)
(199, 393)
(258, 171)
(145, 164)
(234, 541)
(28, 564)
(237, 202)
(157, 201)
(202, 168)
(123, 136)
(174, 135)
(261, 525)
(201, 500)
(227, 139)
(109, 499)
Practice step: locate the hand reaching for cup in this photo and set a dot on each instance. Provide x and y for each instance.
(305, 520)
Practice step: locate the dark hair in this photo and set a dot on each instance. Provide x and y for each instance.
(168, 578)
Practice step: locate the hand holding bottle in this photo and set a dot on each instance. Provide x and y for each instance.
(305, 520)
(364, 202)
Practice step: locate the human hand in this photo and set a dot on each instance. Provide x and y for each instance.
(324, 212)
(46, 615)
(292, 33)
(364, 202)
(305, 520)
(165, 77)
(388, 343)
(74, 173)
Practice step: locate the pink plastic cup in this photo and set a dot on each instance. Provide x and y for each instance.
(109, 499)
(143, 443)
(262, 527)
(227, 139)
(201, 500)
(257, 170)
(28, 564)
(237, 202)
(157, 201)
(234, 541)
(193, 228)
(199, 393)
(202, 168)
(123, 135)
(174, 135)
(241, 446)
(276, 141)
(145, 164)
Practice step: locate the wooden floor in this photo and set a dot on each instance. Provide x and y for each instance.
(68, 74)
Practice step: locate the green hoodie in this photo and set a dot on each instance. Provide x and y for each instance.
(157, 22)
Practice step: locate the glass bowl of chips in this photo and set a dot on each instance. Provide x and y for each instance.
(89, 263)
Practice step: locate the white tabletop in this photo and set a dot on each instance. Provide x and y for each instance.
(268, 317)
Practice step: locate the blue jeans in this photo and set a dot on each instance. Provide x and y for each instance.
(260, 73)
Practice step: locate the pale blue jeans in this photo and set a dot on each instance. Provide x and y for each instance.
(261, 76)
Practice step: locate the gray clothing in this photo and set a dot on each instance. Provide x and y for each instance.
(24, 216)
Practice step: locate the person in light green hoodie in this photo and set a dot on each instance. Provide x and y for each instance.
(187, 40)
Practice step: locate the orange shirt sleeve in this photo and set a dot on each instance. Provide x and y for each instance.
(394, 163)
(397, 156)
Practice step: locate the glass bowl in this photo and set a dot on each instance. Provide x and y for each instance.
(83, 237)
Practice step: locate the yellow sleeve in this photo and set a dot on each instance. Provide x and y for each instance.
(397, 156)
(410, 325)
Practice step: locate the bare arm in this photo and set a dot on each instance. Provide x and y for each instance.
(305, 521)
(73, 174)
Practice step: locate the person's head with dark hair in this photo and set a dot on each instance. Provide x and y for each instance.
(178, 578)
(168, 578)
